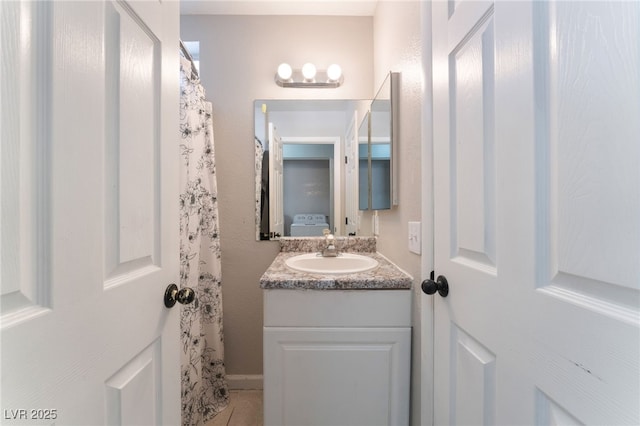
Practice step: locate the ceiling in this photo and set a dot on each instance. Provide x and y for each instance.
(279, 7)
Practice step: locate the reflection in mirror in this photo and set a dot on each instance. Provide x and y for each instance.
(383, 146)
(364, 189)
(306, 163)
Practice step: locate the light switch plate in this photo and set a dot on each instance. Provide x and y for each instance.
(414, 238)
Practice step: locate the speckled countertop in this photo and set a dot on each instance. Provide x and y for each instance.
(384, 277)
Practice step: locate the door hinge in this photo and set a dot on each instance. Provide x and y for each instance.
(432, 275)
(346, 160)
(346, 220)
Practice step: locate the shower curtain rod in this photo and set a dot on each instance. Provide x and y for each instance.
(186, 54)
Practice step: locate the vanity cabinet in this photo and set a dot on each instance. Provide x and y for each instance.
(337, 357)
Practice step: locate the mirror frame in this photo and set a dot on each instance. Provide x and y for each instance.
(393, 82)
(395, 132)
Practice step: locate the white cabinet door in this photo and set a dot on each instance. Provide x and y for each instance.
(537, 212)
(336, 376)
(89, 222)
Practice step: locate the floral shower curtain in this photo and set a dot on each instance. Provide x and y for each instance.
(204, 386)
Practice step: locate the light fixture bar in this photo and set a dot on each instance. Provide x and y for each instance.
(320, 80)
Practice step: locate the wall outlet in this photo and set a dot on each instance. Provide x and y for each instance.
(415, 243)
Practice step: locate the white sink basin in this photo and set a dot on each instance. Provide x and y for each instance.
(345, 263)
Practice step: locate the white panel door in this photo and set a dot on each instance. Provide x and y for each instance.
(537, 212)
(89, 223)
(276, 184)
(351, 177)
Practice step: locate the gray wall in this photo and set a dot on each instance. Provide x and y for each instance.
(398, 46)
(238, 59)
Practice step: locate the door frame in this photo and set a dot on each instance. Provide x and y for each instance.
(424, 303)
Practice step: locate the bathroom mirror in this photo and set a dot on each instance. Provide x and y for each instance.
(383, 145)
(307, 166)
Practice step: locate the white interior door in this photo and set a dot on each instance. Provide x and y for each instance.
(351, 177)
(276, 184)
(89, 224)
(537, 212)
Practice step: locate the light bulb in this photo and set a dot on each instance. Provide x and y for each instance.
(284, 71)
(309, 71)
(334, 72)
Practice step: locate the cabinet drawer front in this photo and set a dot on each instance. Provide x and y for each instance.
(336, 308)
(331, 376)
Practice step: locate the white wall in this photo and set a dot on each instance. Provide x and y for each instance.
(238, 59)
(309, 124)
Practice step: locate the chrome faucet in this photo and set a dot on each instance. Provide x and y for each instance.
(329, 249)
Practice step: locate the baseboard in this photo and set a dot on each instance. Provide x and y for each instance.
(244, 381)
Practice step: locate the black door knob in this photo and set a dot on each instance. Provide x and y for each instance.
(172, 295)
(440, 285)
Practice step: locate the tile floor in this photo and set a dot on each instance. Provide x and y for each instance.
(245, 409)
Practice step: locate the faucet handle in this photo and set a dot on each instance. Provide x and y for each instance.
(329, 249)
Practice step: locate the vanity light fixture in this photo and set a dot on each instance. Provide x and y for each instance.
(309, 76)
(308, 72)
(334, 72)
(285, 72)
